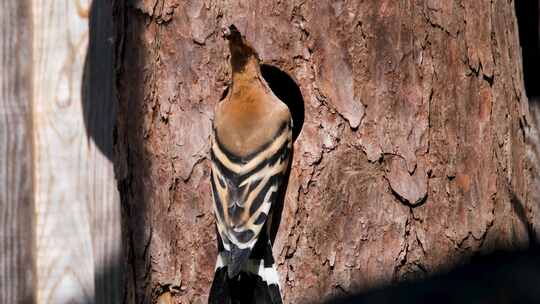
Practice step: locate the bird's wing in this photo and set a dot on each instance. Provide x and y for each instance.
(244, 189)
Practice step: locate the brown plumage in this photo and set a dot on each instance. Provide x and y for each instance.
(251, 145)
(251, 114)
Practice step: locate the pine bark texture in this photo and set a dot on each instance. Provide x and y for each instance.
(411, 159)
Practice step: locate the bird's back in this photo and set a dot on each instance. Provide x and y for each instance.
(250, 150)
(249, 119)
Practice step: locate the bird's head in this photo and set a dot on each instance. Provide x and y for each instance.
(241, 51)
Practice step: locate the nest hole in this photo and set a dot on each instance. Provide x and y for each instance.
(286, 89)
(527, 13)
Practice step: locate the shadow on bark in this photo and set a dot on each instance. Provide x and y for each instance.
(501, 277)
(505, 275)
(528, 13)
(131, 157)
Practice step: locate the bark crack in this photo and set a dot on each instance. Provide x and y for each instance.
(434, 24)
(406, 267)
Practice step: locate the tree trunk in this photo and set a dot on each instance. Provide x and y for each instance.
(411, 159)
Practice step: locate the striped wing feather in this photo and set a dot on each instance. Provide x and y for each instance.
(244, 188)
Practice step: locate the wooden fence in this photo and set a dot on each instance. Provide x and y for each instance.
(59, 207)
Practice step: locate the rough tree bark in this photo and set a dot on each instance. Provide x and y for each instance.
(411, 159)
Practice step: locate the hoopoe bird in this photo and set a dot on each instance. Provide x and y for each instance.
(250, 153)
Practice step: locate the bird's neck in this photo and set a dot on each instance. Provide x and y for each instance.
(245, 73)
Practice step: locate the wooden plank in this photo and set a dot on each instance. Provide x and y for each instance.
(64, 243)
(16, 205)
(78, 217)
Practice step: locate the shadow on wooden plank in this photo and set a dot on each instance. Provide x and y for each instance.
(99, 105)
(99, 114)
